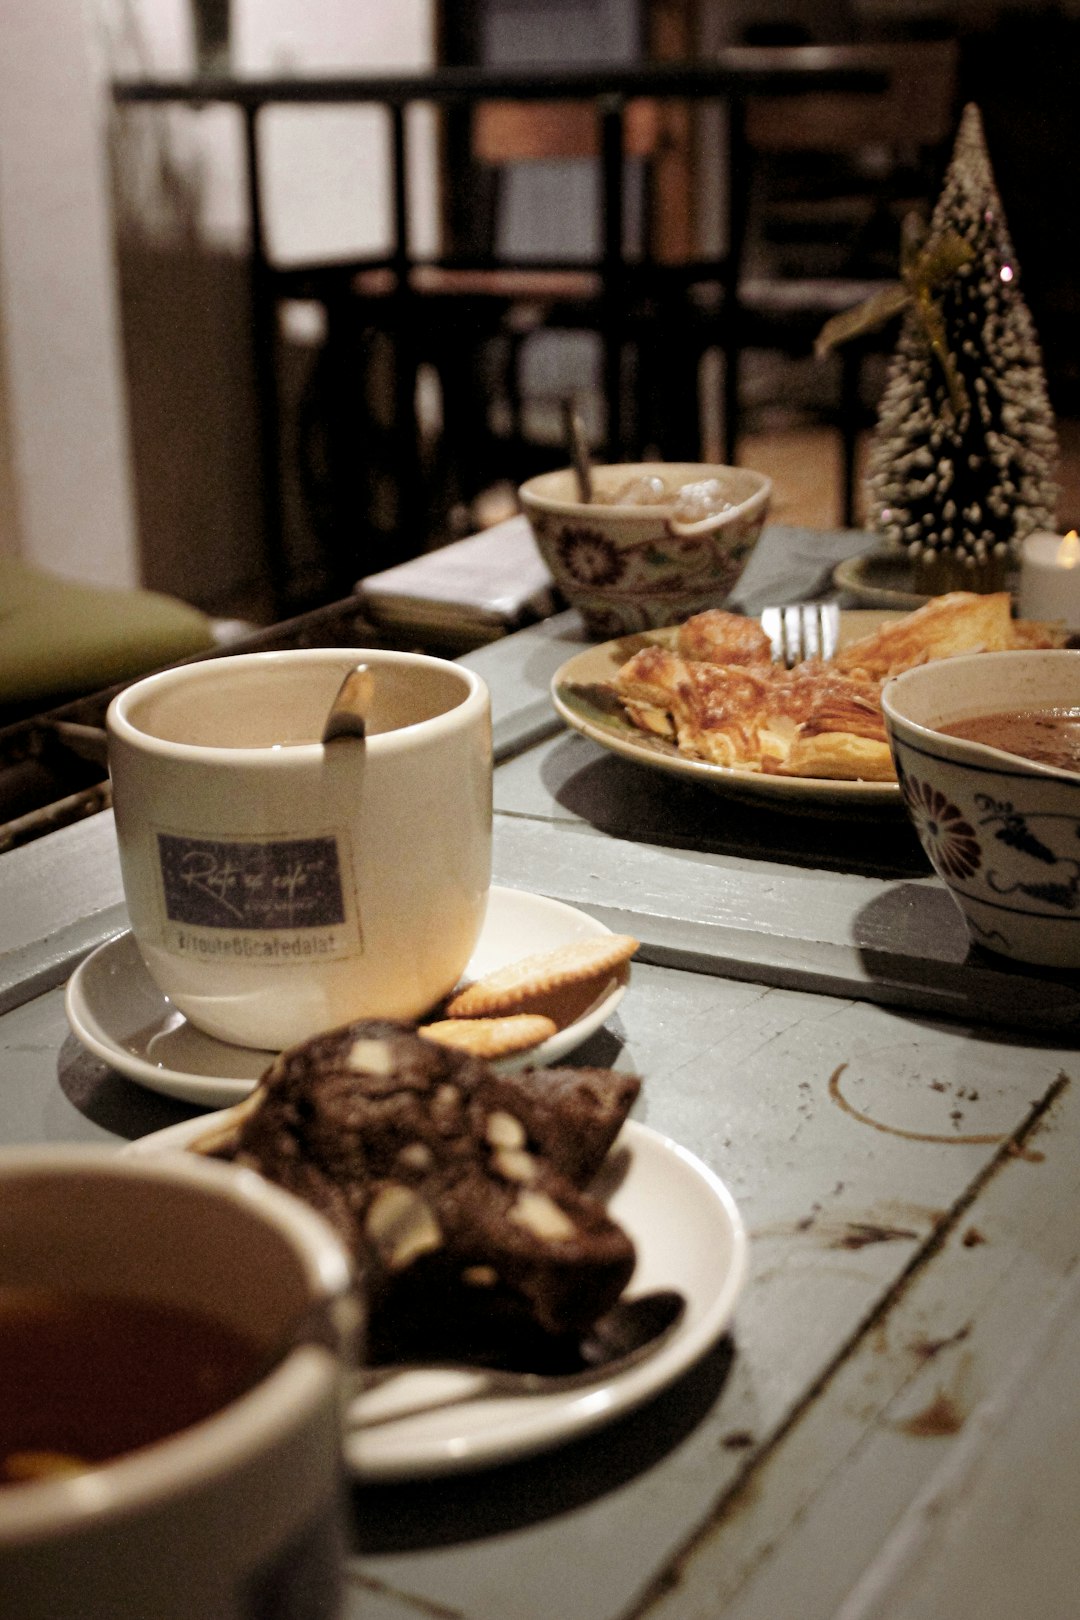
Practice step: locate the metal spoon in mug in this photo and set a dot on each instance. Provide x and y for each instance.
(349, 711)
(579, 450)
(629, 1332)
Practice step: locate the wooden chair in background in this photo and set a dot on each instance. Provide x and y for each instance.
(481, 308)
(466, 318)
(825, 180)
(818, 184)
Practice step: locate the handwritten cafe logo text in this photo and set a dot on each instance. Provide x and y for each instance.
(218, 893)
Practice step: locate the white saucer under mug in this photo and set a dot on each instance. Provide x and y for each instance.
(117, 1011)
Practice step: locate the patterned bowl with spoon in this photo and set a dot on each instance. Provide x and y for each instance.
(656, 542)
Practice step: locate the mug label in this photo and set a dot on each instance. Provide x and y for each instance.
(220, 892)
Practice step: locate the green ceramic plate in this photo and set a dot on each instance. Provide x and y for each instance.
(882, 579)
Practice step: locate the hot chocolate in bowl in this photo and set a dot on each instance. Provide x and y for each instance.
(1001, 828)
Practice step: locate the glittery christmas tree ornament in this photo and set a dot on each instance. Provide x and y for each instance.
(962, 461)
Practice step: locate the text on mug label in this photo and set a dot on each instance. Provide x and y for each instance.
(254, 885)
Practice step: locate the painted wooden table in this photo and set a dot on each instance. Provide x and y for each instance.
(890, 1429)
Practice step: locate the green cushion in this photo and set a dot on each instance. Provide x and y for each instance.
(60, 638)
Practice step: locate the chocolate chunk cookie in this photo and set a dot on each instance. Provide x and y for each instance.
(459, 1190)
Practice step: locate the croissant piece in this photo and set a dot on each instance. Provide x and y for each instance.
(717, 695)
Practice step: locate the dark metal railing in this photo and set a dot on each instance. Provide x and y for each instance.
(731, 79)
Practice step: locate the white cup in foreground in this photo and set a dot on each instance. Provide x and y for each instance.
(150, 1291)
(277, 886)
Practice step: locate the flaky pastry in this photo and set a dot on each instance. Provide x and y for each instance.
(717, 637)
(946, 627)
(718, 697)
(807, 721)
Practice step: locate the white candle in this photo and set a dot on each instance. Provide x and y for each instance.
(1050, 578)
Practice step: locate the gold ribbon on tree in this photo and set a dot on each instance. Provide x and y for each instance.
(924, 268)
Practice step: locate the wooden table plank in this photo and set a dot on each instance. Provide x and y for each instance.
(866, 1133)
(518, 673)
(898, 940)
(568, 779)
(901, 942)
(866, 1506)
(839, 1210)
(62, 896)
(993, 1533)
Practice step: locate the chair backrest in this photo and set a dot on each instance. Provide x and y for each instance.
(509, 141)
(916, 111)
(532, 131)
(826, 178)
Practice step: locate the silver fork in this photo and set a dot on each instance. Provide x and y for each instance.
(802, 630)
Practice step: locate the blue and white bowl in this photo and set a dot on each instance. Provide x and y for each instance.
(1003, 833)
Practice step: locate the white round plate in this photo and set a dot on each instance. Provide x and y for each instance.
(117, 1011)
(580, 693)
(688, 1234)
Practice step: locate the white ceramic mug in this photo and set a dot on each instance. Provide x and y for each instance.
(240, 1515)
(277, 886)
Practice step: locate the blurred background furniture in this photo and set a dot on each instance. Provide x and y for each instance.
(324, 176)
(470, 314)
(824, 181)
(364, 428)
(60, 638)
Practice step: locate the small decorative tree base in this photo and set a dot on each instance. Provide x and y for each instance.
(936, 572)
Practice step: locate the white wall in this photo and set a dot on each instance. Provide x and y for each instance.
(326, 168)
(65, 498)
(183, 234)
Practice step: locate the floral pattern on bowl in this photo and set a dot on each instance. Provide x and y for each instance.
(948, 838)
(633, 568)
(1002, 832)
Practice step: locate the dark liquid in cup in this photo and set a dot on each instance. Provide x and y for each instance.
(84, 1378)
(1047, 736)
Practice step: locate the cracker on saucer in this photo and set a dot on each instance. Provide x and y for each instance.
(490, 1037)
(517, 984)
